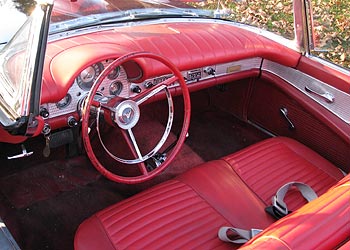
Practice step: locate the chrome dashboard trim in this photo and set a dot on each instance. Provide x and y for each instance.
(79, 94)
(302, 81)
(222, 69)
(295, 78)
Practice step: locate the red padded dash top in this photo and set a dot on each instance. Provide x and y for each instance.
(189, 45)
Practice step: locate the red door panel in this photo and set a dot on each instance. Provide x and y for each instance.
(327, 138)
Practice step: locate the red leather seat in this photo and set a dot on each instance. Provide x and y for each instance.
(323, 223)
(186, 212)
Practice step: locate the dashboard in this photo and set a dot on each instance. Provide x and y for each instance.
(207, 53)
(119, 84)
(75, 60)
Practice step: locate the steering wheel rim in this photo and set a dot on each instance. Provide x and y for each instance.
(89, 102)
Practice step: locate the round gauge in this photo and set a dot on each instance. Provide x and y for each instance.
(64, 102)
(114, 73)
(115, 88)
(88, 76)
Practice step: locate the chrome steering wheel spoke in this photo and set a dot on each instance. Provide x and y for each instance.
(134, 143)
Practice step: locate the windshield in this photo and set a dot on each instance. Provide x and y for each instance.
(266, 14)
(68, 15)
(17, 66)
(14, 14)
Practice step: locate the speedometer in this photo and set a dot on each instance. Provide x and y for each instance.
(88, 76)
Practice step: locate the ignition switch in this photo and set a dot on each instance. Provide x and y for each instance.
(46, 129)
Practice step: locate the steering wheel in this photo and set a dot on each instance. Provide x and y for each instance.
(124, 114)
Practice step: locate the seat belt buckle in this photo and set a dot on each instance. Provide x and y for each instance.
(279, 206)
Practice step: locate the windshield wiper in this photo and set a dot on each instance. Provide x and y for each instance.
(121, 16)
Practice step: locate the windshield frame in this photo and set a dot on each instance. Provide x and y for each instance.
(20, 94)
(137, 14)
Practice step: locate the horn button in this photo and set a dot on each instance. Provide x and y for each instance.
(127, 114)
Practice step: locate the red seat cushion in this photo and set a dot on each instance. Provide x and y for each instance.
(323, 223)
(171, 215)
(188, 211)
(268, 165)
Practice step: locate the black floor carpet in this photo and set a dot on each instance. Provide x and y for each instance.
(215, 134)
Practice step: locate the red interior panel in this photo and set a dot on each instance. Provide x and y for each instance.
(311, 126)
(6, 137)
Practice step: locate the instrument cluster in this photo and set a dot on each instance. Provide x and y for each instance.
(115, 84)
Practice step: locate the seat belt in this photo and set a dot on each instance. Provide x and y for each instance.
(279, 208)
(237, 235)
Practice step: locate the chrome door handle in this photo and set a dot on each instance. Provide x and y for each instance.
(328, 97)
(284, 112)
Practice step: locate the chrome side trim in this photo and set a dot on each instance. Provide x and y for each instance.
(257, 126)
(301, 81)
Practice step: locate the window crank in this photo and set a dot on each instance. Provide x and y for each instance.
(284, 112)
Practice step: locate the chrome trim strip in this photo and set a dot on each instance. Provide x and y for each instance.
(341, 105)
(222, 69)
(257, 126)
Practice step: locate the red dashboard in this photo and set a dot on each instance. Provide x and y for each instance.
(182, 43)
(196, 48)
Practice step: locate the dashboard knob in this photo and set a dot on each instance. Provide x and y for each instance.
(44, 113)
(136, 89)
(209, 71)
(72, 122)
(148, 84)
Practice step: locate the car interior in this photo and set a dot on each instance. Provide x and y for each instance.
(156, 136)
